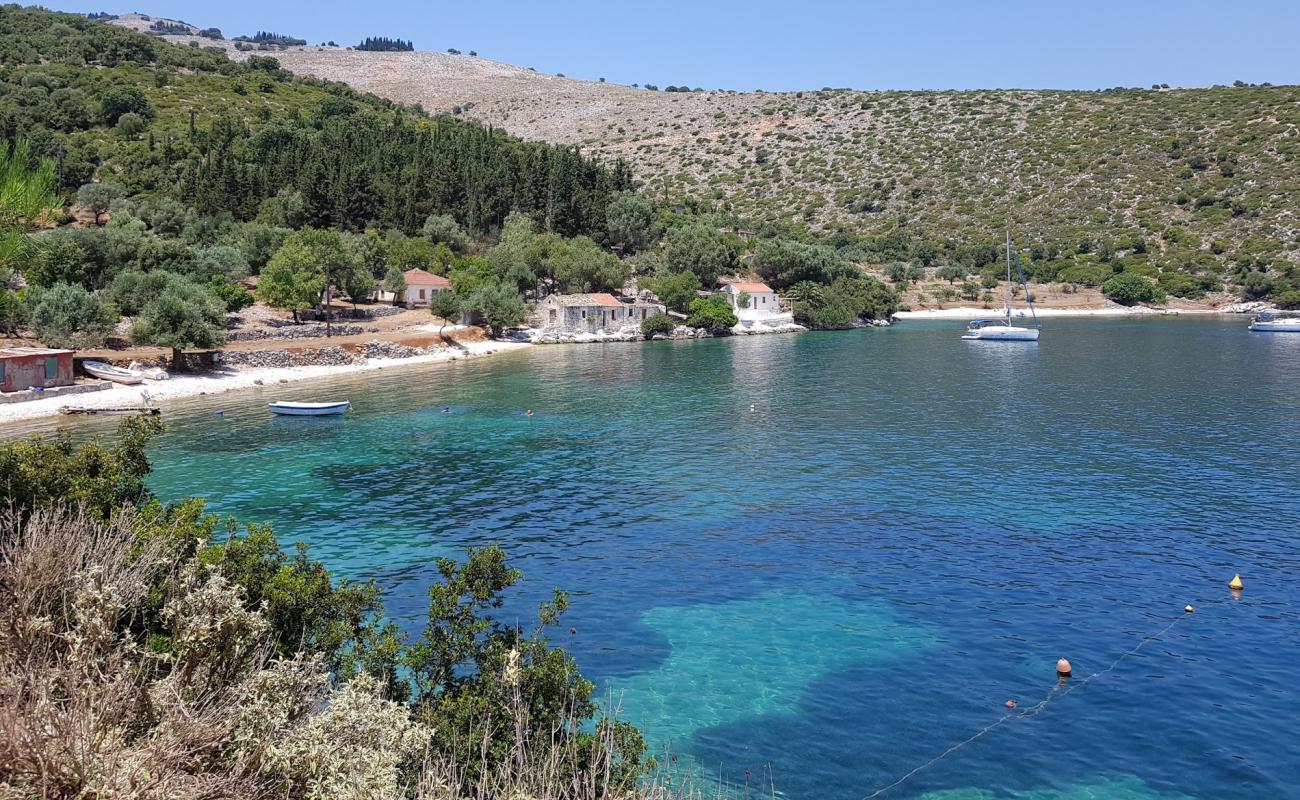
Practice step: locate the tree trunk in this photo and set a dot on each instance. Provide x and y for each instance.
(178, 359)
(296, 321)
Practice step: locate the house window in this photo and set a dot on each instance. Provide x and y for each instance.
(2, 371)
(421, 294)
(552, 315)
(51, 368)
(584, 313)
(643, 313)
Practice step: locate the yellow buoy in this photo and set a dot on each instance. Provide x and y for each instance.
(1236, 583)
(1189, 608)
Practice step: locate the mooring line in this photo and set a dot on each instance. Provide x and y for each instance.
(1059, 690)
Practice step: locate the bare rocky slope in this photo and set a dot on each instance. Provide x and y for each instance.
(1214, 170)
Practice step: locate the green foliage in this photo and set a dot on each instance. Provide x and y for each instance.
(185, 315)
(443, 229)
(384, 44)
(131, 290)
(845, 303)
(118, 101)
(658, 323)
(233, 296)
(294, 278)
(713, 314)
(395, 283)
(631, 223)
(676, 290)
(581, 265)
(220, 261)
(66, 315)
(1128, 289)
(701, 250)
(26, 186)
(412, 253)
(42, 472)
(446, 307)
(99, 196)
(499, 307)
(1287, 300)
(783, 263)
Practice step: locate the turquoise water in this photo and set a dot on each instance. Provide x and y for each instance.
(837, 586)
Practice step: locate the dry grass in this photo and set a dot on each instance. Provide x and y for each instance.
(90, 707)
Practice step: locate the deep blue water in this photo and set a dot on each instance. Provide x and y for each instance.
(838, 585)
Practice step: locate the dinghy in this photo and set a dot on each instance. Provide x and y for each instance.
(292, 409)
(109, 372)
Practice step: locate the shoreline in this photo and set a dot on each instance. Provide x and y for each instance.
(235, 379)
(970, 312)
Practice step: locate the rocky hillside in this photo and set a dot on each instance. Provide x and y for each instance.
(1205, 170)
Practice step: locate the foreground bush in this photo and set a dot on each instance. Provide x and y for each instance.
(659, 323)
(139, 660)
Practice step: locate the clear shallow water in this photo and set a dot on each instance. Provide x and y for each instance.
(839, 585)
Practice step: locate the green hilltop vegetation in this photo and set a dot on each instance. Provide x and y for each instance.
(1194, 188)
(192, 172)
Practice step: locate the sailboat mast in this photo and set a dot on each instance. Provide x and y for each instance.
(1008, 276)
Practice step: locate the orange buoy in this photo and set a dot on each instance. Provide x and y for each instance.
(1063, 668)
(1236, 583)
(1011, 703)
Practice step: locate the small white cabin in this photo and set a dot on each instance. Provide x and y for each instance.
(755, 303)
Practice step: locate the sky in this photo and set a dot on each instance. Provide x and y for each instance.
(808, 44)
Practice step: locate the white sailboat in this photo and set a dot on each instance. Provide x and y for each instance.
(1000, 329)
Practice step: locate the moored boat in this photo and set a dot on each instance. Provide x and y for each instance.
(108, 372)
(1000, 329)
(1274, 322)
(292, 409)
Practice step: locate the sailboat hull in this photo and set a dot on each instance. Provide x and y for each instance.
(1003, 333)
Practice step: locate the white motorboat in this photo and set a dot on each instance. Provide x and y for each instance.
(108, 372)
(1000, 329)
(148, 372)
(291, 409)
(1275, 322)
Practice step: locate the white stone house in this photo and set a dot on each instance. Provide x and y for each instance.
(591, 313)
(761, 305)
(420, 287)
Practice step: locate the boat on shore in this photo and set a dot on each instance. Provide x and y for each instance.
(292, 409)
(1276, 322)
(129, 376)
(1000, 329)
(108, 372)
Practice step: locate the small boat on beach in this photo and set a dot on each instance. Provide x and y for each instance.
(1276, 322)
(135, 374)
(291, 409)
(108, 372)
(1000, 329)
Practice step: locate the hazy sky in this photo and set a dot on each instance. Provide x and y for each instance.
(780, 45)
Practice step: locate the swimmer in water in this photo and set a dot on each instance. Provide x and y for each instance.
(446, 409)
(528, 413)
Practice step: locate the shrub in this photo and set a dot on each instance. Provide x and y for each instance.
(66, 315)
(713, 314)
(675, 290)
(659, 323)
(1287, 300)
(1127, 289)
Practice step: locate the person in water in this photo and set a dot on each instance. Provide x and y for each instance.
(446, 409)
(528, 413)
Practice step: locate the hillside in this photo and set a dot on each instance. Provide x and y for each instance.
(1220, 164)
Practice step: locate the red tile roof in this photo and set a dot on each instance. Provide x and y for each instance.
(603, 299)
(418, 277)
(743, 286)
